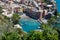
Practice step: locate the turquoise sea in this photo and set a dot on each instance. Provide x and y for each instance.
(29, 24)
(58, 5)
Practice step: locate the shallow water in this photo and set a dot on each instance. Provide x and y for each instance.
(29, 24)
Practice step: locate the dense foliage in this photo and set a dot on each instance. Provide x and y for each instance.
(15, 18)
(11, 36)
(1, 10)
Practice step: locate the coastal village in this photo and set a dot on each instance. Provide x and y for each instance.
(35, 9)
(29, 20)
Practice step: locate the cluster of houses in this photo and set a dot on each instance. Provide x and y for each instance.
(36, 9)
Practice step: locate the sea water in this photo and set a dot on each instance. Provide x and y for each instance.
(29, 24)
(58, 5)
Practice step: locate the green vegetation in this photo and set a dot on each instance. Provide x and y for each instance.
(45, 1)
(47, 33)
(5, 25)
(15, 18)
(52, 20)
(11, 36)
(58, 14)
(8, 32)
(1, 10)
(58, 29)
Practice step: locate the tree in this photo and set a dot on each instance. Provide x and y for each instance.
(49, 32)
(5, 25)
(35, 35)
(58, 14)
(21, 33)
(11, 36)
(15, 18)
(45, 1)
(1, 10)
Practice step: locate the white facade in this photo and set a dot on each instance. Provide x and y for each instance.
(17, 0)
